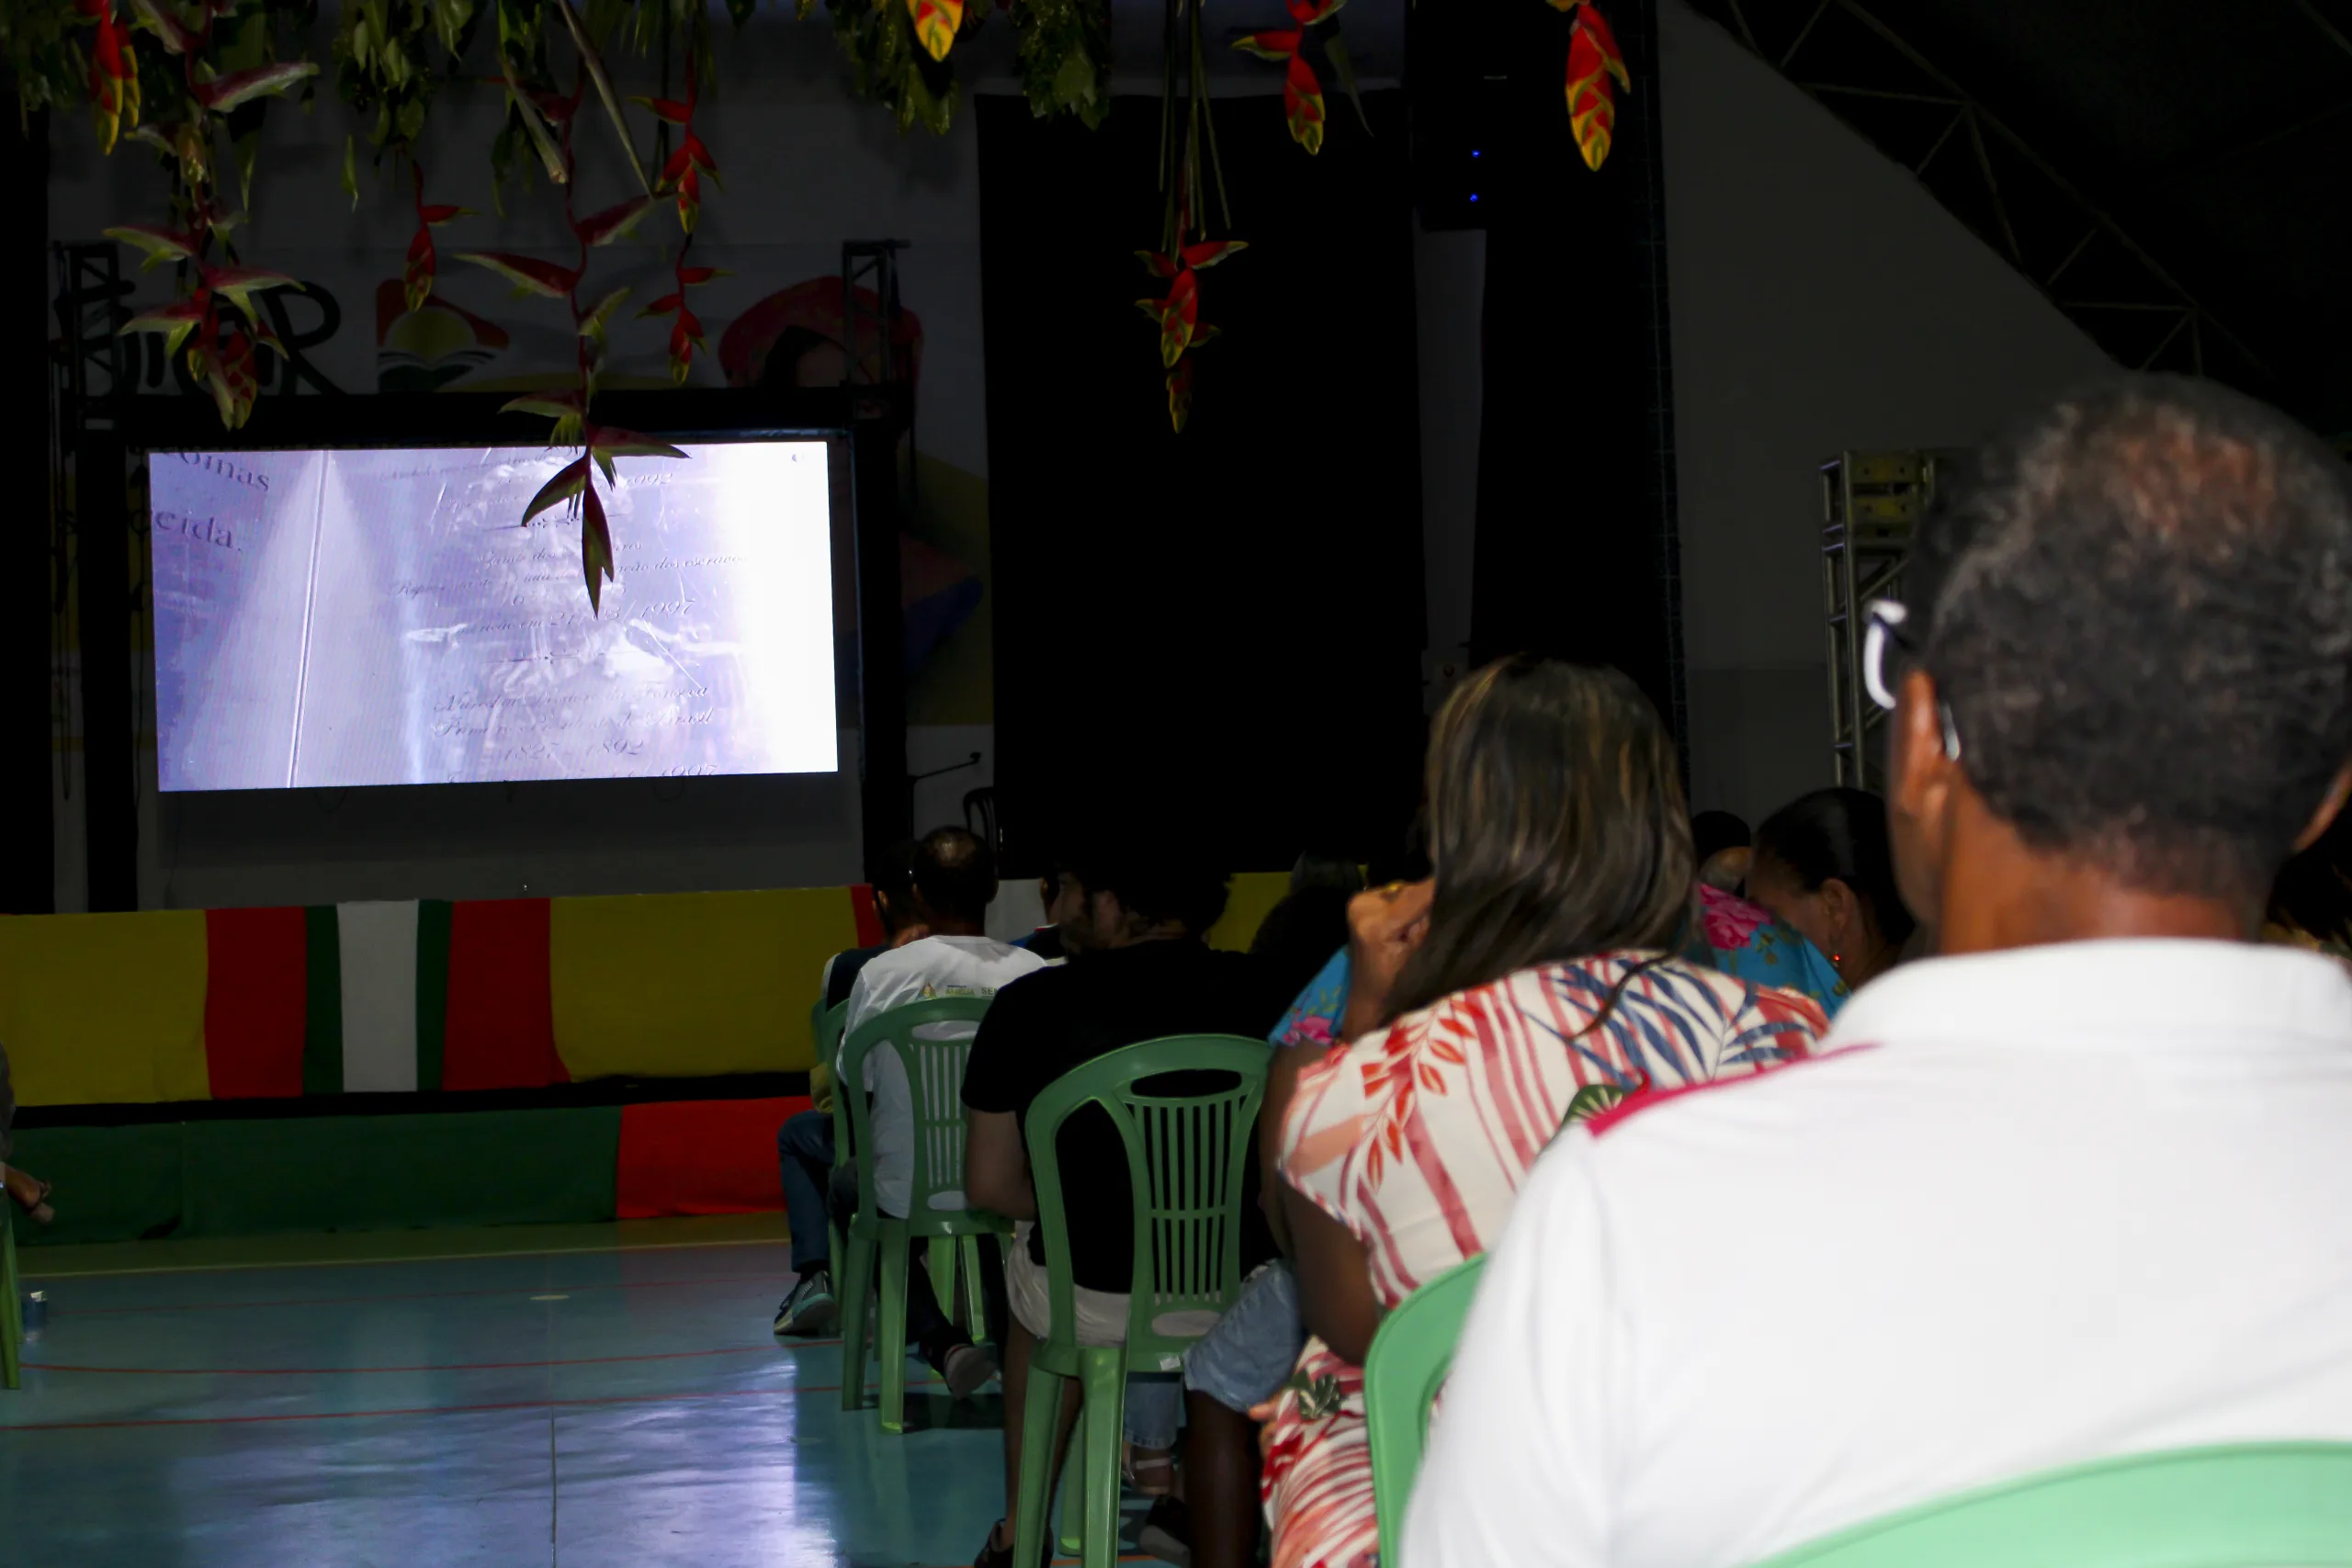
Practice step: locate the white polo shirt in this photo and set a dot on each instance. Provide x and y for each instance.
(2052, 1205)
(934, 966)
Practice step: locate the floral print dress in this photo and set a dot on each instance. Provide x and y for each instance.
(1417, 1138)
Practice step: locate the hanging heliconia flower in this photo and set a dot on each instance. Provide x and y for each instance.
(937, 24)
(681, 175)
(1593, 59)
(422, 260)
(1302, 90)
(114, 72)
(1181, 331)
(685, 327)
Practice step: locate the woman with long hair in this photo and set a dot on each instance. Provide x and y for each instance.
(1527, 984)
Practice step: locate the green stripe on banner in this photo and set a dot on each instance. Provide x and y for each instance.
(376, 958)
(431, 989)
(323, 1032)
(363, 1173)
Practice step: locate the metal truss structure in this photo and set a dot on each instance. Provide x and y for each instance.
(1849, 58)
(1870, 503)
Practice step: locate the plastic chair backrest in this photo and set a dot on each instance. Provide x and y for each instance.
(2246, 1506)
(935, 1069)
(1410, 1354)
(1186, 1160)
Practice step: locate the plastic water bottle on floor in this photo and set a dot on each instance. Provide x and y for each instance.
(36, 1306)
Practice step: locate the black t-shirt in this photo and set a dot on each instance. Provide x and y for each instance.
(1044, 1024)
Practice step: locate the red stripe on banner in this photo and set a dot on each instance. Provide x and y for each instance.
(256, 990)
(501, 1027)
(701, 1156)
(869, 919)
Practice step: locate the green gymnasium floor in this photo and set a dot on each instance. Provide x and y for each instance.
(565, 1395)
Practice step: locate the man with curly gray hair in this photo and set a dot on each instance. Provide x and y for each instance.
(2072, 1190)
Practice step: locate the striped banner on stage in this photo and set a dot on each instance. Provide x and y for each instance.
(376, 952)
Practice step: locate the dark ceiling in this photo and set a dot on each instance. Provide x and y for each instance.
(2176, 175)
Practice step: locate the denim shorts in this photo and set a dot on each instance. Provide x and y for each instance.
(1248, 1355)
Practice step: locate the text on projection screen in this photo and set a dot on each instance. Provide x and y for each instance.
(326, 619)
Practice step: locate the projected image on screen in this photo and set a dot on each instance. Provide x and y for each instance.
(334, 618)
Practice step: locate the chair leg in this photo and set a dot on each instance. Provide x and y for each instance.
(893, 1334)
(939, 1266)
(1105, 1404)
(12, 1312)
(976, 1306)
(850, 1288)
(1040, 1421)
(1068, 1537)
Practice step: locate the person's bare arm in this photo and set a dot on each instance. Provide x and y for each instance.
(1334, 1279)
(1282, 1084)
(996, 1166)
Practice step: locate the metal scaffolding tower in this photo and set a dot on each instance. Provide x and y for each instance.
(1871, 502)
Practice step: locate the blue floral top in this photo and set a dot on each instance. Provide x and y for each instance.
(1746, 942)
(1313, 1018)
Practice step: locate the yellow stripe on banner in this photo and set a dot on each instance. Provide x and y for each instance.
(690, 984)
(1253, 895)
(101, 1010)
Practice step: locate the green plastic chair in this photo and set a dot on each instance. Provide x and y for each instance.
(1186, 1155)
(825, 1030)
(934, 1070)
(2249, 1506)
(1411, 1352)
(12, 1303)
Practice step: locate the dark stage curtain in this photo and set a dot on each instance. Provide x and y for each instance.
(1577, 553)
(1224, 625)
(26, 884)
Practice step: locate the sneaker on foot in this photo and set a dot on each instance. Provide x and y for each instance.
(965, 1368)
(811, 1309)
(1167, 1533)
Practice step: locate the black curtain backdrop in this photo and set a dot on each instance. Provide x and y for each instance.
(1576, 552)
(27, 883)
(1220, 630)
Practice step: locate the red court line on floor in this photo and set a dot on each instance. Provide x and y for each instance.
(438, 1295)
(437, 1367)
(442, 1409)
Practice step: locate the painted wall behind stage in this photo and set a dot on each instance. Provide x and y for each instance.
(805, 166)
(1822, 300)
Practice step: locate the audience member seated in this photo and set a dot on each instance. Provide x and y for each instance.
(1241, 1362)
(29, 1192)
(894, 907)
(1720, 841)
(1046, 941)
(1131, 915)
(1301, 934)
(1527, 984)
(2078, 1188)
(804, 1145)
(953, 882)
(1749, 942)
(1824, 866)
(2310, 903)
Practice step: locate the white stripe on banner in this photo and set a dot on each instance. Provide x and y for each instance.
(378, 945)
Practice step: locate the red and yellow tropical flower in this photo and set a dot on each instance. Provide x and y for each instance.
(422, 260)
(1302, 90)
(1181, 331)
(1593, 59)
(937, 24)
(114, 72)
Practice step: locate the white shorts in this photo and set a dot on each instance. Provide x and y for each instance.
(1102, 1314)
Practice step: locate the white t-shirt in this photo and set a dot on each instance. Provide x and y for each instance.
(2052, 1205)
(934, 966)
